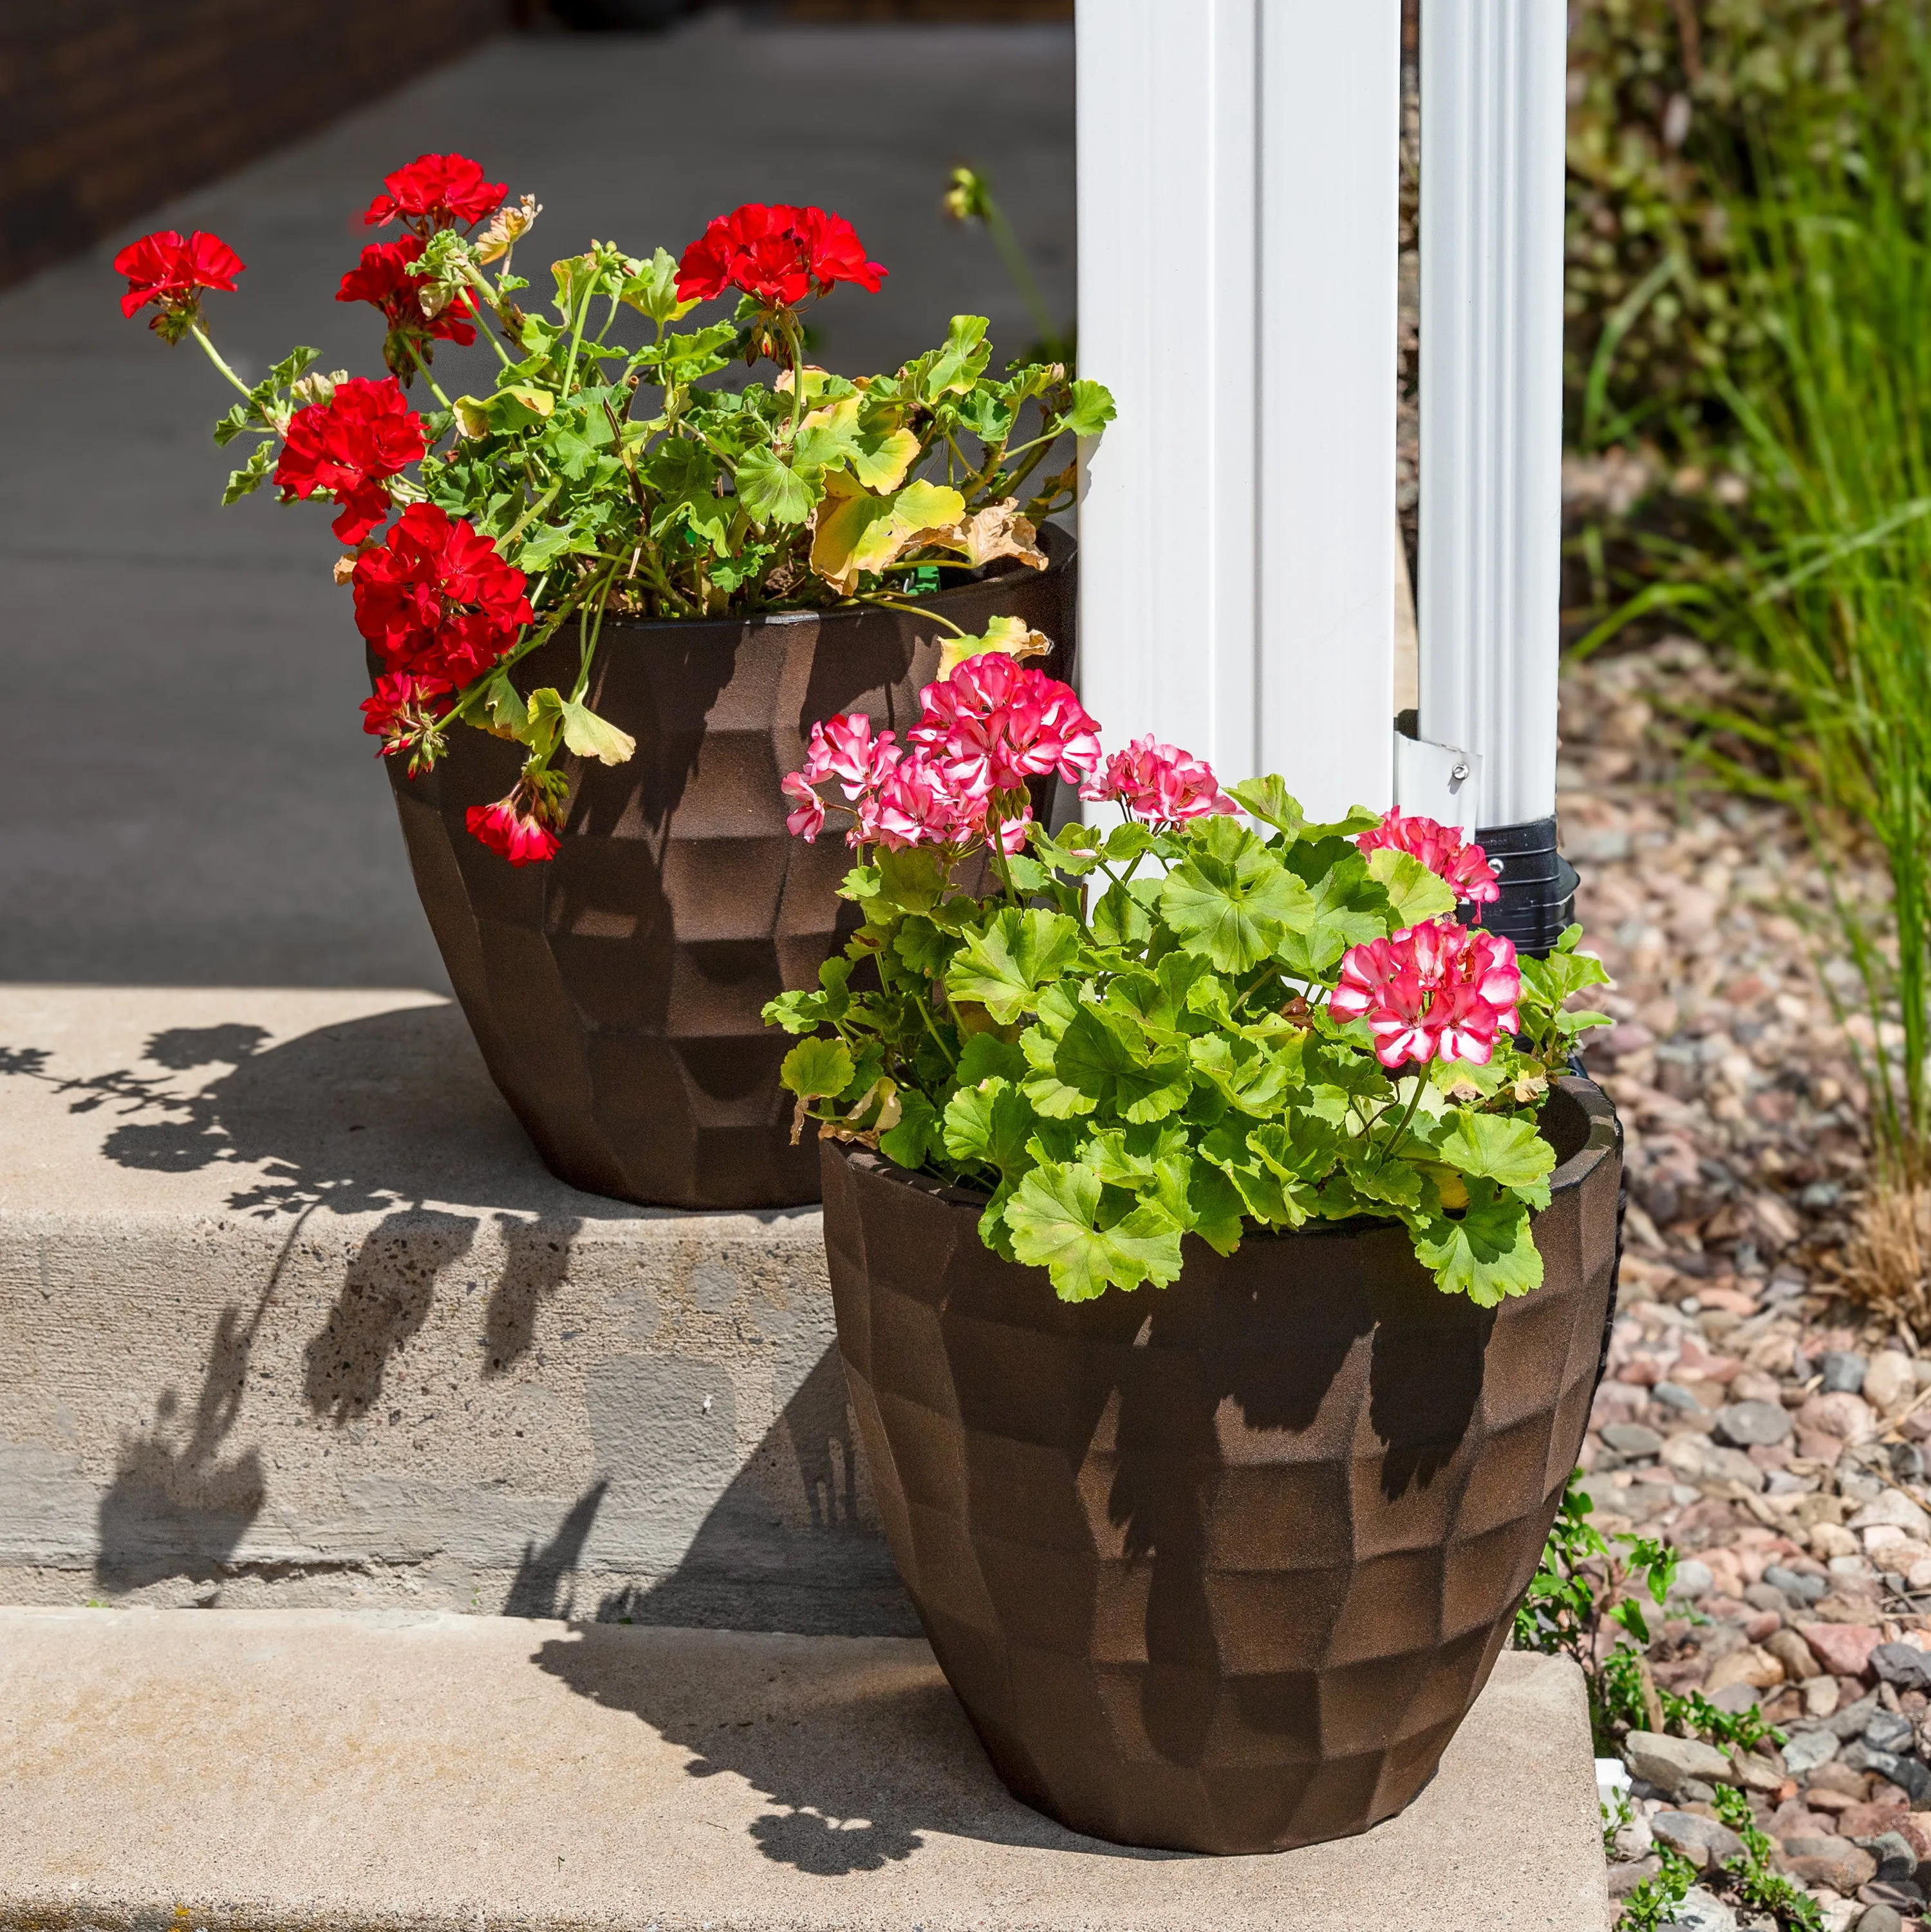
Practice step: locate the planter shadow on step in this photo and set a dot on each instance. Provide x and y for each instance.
(617, 992)
(1220, 1566)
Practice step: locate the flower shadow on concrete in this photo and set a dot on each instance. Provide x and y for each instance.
(382, 1114)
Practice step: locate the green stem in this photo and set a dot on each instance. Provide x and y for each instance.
(1395, 1140)
(904, 604)
(1018, 267)
(214, 355)
(794, 340)
(435, 388)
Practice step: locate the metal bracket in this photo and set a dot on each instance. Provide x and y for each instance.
(1438, 781)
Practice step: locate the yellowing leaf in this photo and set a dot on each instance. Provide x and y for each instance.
(590, 737)
(1012, 635)
(859, 532)
(998, 530)
(878, 454)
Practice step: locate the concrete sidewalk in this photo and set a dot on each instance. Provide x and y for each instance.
(190, 798)
(258, 1770)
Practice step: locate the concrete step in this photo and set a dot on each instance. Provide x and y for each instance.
(290, 1313)
(257, 1769)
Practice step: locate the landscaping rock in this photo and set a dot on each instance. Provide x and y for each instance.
(1667, 1763)
(1798, 1587)
(1745, 1425)
(1843, 1649)
(1677, 1397)
(1623, 1878)
(1895, 1509)
(1890, 1731)
(1896, 1861)
(1881, 1918)
(1703, 1841)
(1804, 1751)
(1839, 1415)
(1843, 1372)
(1903, 1665)
(1692, 1580)
(1849, 1720)
(1702, 1911)
(1836, 1862)
(1632, 1439)
(1889, 1382)
(1799, 1661)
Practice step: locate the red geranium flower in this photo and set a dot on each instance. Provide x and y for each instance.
(405, 713)
(1159, 782)
(350, 446)
(994, 723)
(437, 191)
(167, 267)
(515, 827)
(382, 278)
(1438, 988)
(435, 599)
(1443, 850)
(779, 254)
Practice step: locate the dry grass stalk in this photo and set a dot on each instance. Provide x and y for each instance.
(1887, 1261)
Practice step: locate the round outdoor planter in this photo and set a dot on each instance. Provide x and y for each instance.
(1221, 1567)
(616, 992)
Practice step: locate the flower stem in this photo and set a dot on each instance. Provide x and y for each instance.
(435, 388)
(214, 356)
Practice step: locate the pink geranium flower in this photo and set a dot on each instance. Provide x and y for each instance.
(1158, 782)
(993, 724)
(1443, 850)
(1438, 990)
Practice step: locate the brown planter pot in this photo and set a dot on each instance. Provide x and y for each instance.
(616, 992)
(1222, 1566)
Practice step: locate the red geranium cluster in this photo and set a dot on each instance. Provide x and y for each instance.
(1443, 850)
(436, 600)
(383, 278)
(172, 269)
(520, 828)
(1158, 782)
(350, 446)
(1439, 989)
(437, 191)
(778, 254)
(983, 733)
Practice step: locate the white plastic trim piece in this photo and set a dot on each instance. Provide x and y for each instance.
(1442, 782)
(1237, 249)
(1493, 108)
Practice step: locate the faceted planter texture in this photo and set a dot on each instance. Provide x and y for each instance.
(615, 992)
(1221, 1567)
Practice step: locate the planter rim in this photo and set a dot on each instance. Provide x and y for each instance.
(1600, 1138)
(1062, 550)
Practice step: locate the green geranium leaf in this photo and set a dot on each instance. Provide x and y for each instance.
(1054, 1218)
(917, 1134)
(1269, 800)
(1500, 1149)
(988, 1124)
(959, 363)
(1003, 967)
(653, 292)
(816, 1070)
(912, 880)
(1232, 899)
(1092, 408)
(252, 475)
(1107, 1059)
(772, 491)
(1487, 1251)
(1414, 891)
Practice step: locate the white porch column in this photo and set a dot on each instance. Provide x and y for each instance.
(1237, 261)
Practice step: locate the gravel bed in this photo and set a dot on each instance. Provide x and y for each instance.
(1752, 1414)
